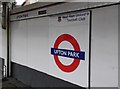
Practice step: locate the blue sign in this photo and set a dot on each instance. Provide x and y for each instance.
(68, 53)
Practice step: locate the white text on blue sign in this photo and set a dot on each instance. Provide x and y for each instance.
(68, 53)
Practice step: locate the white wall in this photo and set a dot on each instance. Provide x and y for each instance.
(80, 31)
(32, 40)
(0, 42)
(4, 45)
(119, 46)
(0, 34)
(20, 40)
(30, 44)
(104, 47)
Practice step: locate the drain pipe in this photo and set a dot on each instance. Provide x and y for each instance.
(5, 26)
(8, 41)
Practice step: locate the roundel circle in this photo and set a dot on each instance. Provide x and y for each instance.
(74, 43)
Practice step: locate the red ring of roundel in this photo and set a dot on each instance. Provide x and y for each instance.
(75, 63)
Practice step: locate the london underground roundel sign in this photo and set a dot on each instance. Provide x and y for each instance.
(76, 54)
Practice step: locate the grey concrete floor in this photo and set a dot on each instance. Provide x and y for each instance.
(12, 83)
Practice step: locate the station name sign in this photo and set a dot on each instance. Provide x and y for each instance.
(28, 15)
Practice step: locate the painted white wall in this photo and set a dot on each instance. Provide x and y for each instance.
(29, 43)
(104, 52)
(80, 31)
(0, 42)
(19, 42)
(29, 36)
(38, 44)
(4, 47)
(0, 33)
(119, 46)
